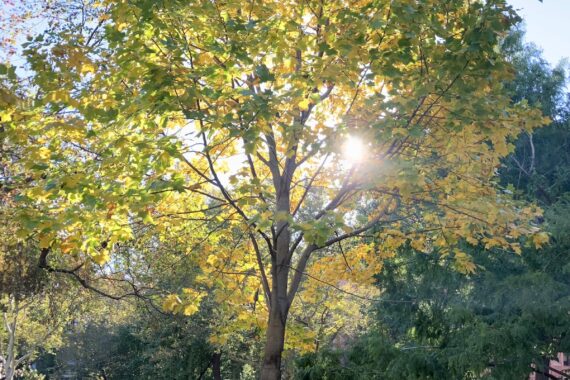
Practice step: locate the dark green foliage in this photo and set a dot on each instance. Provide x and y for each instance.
(324, 365)
(148, 346)
(172, 350)
(155, 347)
(512, 312)
(539, 168)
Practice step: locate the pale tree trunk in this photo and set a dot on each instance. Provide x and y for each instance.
(10, 361)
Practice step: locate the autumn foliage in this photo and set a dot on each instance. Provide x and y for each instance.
(217, 129)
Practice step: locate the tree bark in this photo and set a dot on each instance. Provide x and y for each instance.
(279, 305)
(10, 362)
(275, 340)
(217, 365)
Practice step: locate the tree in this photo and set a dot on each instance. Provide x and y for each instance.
(216, 122)
(36, 309)
(537, 168)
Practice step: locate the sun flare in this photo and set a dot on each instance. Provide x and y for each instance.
(353, 150)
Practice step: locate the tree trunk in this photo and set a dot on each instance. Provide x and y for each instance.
(217, 365)
(10, 363)
(10, 371)
(11, 357)
(275, 340)
(279, 305)
(10, 368)
(543, 370)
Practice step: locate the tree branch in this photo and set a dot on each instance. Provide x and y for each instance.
(43, 264)
(302, 264)
(308, 188)
(264, 281)
(226, 195)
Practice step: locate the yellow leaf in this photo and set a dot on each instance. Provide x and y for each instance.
(43, 153)
(517, 248)
(463, 263)
(304, 104)
(111, 209)
(212, 260)
(171, 302)
(72, 180)
(5, 116)
(219, 340)
(471, 240)
(22, 234)
(101, 257)
(190, 309)
(501, 147)
(87, 68)
(59, 95)
(419, 244)
(45, 240)
(540, 239)
(68, 246)
(75, 58)
(146, 217)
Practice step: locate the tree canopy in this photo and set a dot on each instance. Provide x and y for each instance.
(217, 129)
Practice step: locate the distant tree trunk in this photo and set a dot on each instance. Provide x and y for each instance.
(542, 372)
(10, 325)
(217, 365)
(11, 359)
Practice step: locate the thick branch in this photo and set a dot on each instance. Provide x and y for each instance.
(264, 281)
(305, 256)
(43, 264)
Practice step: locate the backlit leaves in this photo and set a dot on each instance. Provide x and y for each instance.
(185, 119)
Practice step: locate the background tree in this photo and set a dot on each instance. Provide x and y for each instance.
(36, 309)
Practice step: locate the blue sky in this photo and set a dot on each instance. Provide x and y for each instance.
(547, 25)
